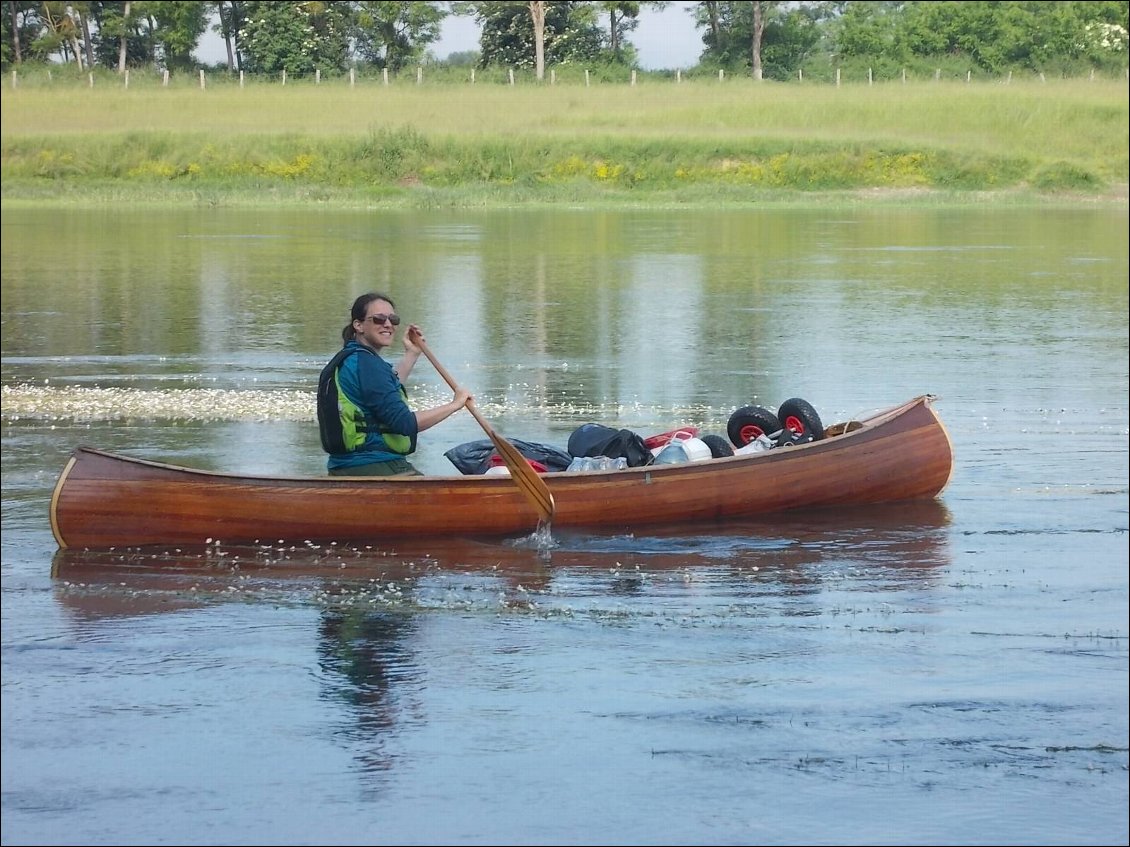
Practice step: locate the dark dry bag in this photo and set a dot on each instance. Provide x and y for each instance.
(474, 457)
(593, 439)
(329, 409)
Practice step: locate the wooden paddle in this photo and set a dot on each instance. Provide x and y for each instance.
(532, 485)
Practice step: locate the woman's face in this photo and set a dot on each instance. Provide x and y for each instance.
(377, 334)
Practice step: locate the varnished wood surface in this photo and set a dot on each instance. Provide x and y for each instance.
(103, 500)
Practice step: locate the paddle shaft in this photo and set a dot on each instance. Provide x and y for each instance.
(532, 485)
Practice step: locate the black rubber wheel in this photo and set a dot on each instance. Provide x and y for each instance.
(800, 418)
(718, 445)
(748, 422)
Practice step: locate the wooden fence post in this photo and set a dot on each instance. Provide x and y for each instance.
(419, 75)
(384, 75)
(165, 78)
(511, 76)
(284, 76)
(586, 77)
(837, 77)
(201, 79)
(633, 76)
(352, 77)
(126, 75)
(241, 78)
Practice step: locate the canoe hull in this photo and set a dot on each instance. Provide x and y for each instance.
(103, 500)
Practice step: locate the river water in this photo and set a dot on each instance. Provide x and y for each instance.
(952, 672)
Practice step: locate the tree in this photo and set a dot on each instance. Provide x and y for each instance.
(765, 37)
(869, 29)
(83, 12)
(537, 18)
(792, 37)
(990, 36)
(13, 14)
(569, 32)
(124, 34)
(122, 39)
(623, 17)
(736, 30)
(392, 34)
(231, 17)
(179, 25)
(21, 24)
(299, 38)
(756, 34)
(62, 31)
(119, 43)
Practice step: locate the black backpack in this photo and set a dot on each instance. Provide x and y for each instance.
(329, 413)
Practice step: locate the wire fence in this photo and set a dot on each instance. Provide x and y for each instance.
(495, 76)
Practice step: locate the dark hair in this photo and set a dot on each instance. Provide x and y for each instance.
(357, 313)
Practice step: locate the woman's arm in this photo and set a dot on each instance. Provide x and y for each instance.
(411, 354)
(430, 417)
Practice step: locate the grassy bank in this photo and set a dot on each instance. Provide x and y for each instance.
(470, 145)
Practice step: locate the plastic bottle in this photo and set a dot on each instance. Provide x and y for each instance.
(672, 454)
(597, 463)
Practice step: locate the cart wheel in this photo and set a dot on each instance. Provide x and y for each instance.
(748, 422)
(800, 418)
(718, 445)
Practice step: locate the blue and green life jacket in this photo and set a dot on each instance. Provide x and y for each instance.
(342, 425)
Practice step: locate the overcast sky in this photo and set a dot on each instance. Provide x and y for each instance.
(665, 40)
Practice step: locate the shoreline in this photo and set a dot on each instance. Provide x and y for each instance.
(418, 197)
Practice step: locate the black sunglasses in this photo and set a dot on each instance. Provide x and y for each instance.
(381, 320)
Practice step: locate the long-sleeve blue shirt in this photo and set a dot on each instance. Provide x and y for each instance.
(372, 385)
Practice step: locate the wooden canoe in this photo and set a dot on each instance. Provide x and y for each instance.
(103, 500)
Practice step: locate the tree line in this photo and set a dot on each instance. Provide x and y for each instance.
(757, 38)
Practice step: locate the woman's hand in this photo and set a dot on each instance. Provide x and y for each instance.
(414, 332)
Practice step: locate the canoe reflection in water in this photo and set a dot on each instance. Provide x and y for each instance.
(791, 551)
(391, 621)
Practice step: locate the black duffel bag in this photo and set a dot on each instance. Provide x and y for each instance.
(593, 439)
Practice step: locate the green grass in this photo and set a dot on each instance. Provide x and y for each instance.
(486, 144)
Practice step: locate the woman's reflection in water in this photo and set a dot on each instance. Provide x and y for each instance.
(366, 663)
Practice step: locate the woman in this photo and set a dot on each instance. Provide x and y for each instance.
(374, 428)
